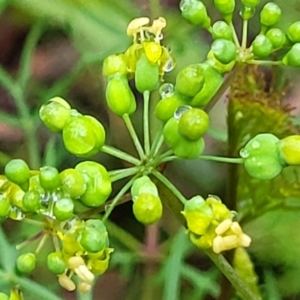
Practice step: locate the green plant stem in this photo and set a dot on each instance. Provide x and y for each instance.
(146, 96)
(156, 142)
(163, 157)
(265, 62)
(245, 34)
(240, 286)
(169, 185)
(120, 174)
(123, 236)
(134, 136)
(235, 37)
(223, 159)
(41, 243)
(117, 198)
(30, 240)
(169, 158)
(33, 222)
(120, 154)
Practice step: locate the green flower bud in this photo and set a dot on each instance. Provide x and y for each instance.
(83, 136)
(193, 124)
(4, 207)
(171, 133)
(56, 263)
(49, 178)
(63, 209)
(115, 64)
(198, 215)
(250, 3)
(147, 208)
(292, 58)
(195, 12)
(293, 32)
(73, 182)
(98, 184)
(225, 7)
(143, 185)
(221, 30)
(270, 14)
(92, 240)
(262, 46)
(261, 157)
(189, 149)
(276, 37)
(247, 12)
(31, 200)
(146, 74)
(212, 82)
(217, 65)
(17, 171)
(55, 114)
(224, 51)
(119, 96)
(189, 80)
(26, 262)
(165, 108)
(99, 225)
(289, 148)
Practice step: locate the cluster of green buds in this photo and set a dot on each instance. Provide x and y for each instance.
(146, 60)
(83, 135)
(211, 225)
(265, 155)
(227, 50)
(51, 200)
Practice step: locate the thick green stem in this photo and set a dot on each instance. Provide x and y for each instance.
(120, 154)
(245, 34)
(240, 286)
(117, 198)
(134, 136)
(169, 185)
(146, 96)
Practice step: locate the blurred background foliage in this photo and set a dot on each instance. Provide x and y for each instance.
(57, 47)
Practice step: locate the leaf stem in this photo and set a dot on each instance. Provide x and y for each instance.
(120, 154)
(117, 198)
(169, 185)
(134, 136)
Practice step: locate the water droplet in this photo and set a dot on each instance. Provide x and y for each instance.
(169, 65)
(16, 213)
(180, 110)
(234, 215)
(166, 90)
(45, 199)
(244, 153)
(255, 144)
(215, 197)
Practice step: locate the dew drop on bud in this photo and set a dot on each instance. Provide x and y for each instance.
(244, 153)
(16, 214)
(215, 197)
(234, 215)
(166, 90)
(180, 110)
(169, 65)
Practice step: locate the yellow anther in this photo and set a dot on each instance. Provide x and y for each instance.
(66, 282)
(245, 240)
(157, 26)
(223, 227)
(236, 228)
(84, 274)
(136, 24)
(75, 262)
(84, 287)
